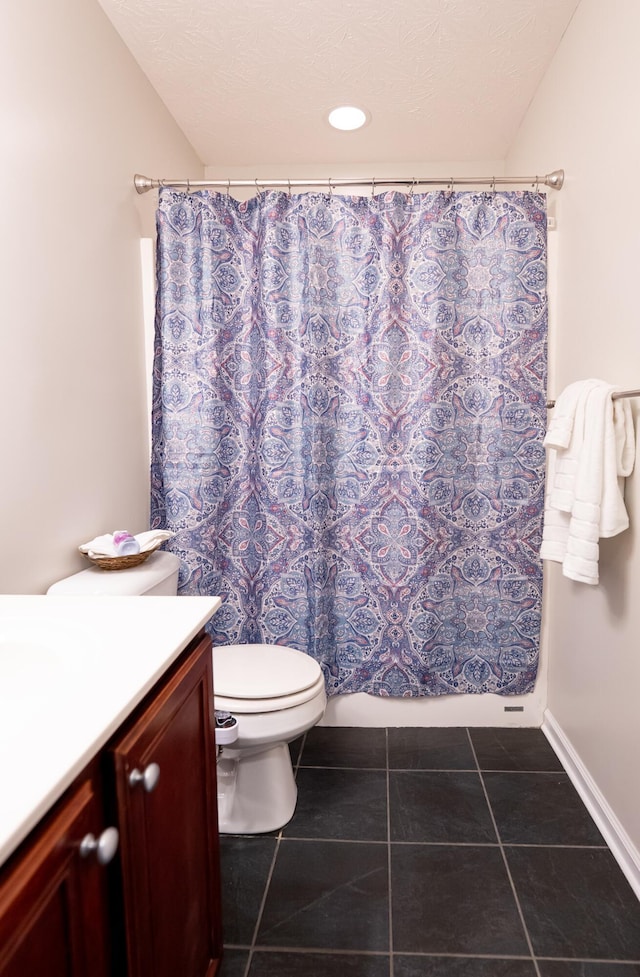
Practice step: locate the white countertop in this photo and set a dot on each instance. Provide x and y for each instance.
(72, 669)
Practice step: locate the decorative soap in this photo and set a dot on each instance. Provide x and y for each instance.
(125, 544)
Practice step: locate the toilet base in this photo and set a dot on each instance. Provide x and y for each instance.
(256, 791)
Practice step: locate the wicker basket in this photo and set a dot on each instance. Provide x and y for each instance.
(120, 562)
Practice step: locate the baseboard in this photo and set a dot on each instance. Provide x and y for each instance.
(622, 848)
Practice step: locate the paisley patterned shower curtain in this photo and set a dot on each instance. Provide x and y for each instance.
(349, 405)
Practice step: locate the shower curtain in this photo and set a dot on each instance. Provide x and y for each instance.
(349, 405)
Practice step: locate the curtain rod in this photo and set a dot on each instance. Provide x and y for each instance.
(616, 395)
(553, 180)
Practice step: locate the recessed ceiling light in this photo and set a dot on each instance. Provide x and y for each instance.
(347, 117)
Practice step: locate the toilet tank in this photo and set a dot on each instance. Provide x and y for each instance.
(156, 577)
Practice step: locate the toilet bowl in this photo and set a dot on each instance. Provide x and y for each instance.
(276, 694)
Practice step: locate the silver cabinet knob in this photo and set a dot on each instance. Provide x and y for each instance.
(149, 777)
(105, 846)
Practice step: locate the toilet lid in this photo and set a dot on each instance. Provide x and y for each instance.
(262, 671)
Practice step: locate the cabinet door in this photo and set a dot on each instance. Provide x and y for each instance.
(169, 832)
(53, 900)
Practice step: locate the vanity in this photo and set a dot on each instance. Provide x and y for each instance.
(109, 858)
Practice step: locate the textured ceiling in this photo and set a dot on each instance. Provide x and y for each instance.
(253, 80)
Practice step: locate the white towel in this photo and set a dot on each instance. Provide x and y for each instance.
(561, 422)
(591, 450)
(566, 434)
(103, 545)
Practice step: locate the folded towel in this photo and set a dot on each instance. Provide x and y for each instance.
(104, 545)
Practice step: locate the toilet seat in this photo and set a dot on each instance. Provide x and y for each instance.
(239, 706)
(263, 678)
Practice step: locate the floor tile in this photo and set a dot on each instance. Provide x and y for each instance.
(513, 749)
(439, 806)
(245, 863)
(340, 804)
(583, 968)
(576, 903)
(292, 964)
(419, 966)
(416, 748)
(234, 963)
(345, 746)
(326, 902)
(453, 899)
(328, 894)
(539, 809)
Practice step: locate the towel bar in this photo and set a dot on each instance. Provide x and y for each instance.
(617, 395)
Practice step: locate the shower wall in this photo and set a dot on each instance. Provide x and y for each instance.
(584, 119)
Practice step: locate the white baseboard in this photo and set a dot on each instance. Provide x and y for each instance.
(622, 848)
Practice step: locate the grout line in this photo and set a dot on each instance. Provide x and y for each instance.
(422, 954)
(328, 766)
(528, 770)
(504, 859)
(439, 844)
(262, 904)
(604, 960)
(515, 773)
(424, 844)
(464, 956)
(509, 844)
(323, 951)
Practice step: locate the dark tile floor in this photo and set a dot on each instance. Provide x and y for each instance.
(428, 853)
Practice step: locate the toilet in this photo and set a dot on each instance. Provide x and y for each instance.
(274, 693)
(156, 577)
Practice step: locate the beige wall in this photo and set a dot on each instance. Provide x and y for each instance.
(584, 118)
(79, 118)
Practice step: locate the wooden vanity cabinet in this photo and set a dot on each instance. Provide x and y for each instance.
(54, 915)
(164, 767)
(154, 910)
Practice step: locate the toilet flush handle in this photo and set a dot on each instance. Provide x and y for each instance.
(149, 777)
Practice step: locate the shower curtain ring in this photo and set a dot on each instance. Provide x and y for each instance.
(493, 184)
(228, 187)
(330, 188)
(288, 188)
(413, 186)
(537, 184)
(373, 186)
(450, 187)
(188, 187)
